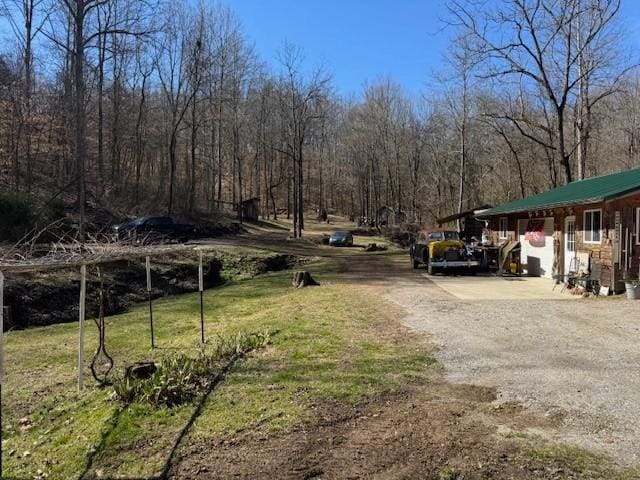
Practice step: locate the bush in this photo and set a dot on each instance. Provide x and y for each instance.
(20, 214)
(17, 216)
(180, 378)
(403, 235)
(365, 231)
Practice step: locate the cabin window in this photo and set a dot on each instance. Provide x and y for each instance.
(592, 226)
(503, 228)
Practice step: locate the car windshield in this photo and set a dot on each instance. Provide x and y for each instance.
(451, 235)
(340, 234)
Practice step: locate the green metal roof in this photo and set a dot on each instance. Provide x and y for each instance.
(589, 190)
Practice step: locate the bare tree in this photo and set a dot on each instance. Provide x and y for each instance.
(27, 18)
(84, 30)
(300, 101)
(179, 54)
(537, 47)
(462, 62)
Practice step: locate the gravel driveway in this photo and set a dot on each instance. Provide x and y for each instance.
(578, 359)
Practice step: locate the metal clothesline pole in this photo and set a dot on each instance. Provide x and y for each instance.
(148, 266)
(1, 358)
(83, 296)
(98, 259)
(201, 288)
(95, 260)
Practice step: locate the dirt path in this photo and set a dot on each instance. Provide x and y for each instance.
(278, 240)
(272, 239)
(435, 429)
(426, 432)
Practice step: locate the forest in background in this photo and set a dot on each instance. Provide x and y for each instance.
(152, 106)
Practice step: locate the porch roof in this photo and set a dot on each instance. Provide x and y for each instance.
(473, 212)
(589, 190)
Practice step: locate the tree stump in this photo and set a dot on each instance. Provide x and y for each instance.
(372, 247)
(303, 279)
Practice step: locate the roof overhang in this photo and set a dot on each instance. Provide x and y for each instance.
(493, 212)
(468, 213)
(593, 190)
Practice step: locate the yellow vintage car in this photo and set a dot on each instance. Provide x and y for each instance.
(442, 251)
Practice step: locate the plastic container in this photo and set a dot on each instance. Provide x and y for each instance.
(633, 290)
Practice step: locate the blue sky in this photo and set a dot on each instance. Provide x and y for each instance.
(360, 41)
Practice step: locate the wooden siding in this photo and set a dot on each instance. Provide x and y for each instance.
(603, 252)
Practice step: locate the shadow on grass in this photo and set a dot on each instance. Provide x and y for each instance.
(113, 423)
(265, 224)
(170, 461)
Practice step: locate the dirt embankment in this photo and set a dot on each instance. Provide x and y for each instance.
(49, 298)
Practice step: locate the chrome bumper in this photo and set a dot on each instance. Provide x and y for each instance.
(456, 264)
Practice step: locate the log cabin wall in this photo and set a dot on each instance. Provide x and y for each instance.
(617, 251)
(601, 252)
(512, 225)
(629, 255)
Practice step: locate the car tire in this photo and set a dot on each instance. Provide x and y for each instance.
(431, 270)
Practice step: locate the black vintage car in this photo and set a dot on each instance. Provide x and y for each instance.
(153, 228)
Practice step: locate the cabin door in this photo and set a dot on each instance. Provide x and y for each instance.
(569, 244)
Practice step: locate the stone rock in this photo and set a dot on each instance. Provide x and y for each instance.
(140, 370)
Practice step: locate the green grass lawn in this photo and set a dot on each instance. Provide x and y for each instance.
(325, 347)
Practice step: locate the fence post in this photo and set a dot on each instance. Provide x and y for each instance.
(148, 266)
(1, 331)
(201, 289)
(1, 358)
(83, 296)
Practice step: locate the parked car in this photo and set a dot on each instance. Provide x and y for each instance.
(341, 239)
(442, 251)
(153, 228)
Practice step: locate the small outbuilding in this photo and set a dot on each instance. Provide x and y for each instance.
(575, 227)
(250, 209)
(389, 216)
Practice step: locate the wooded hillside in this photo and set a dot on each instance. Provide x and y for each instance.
(154, 106)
